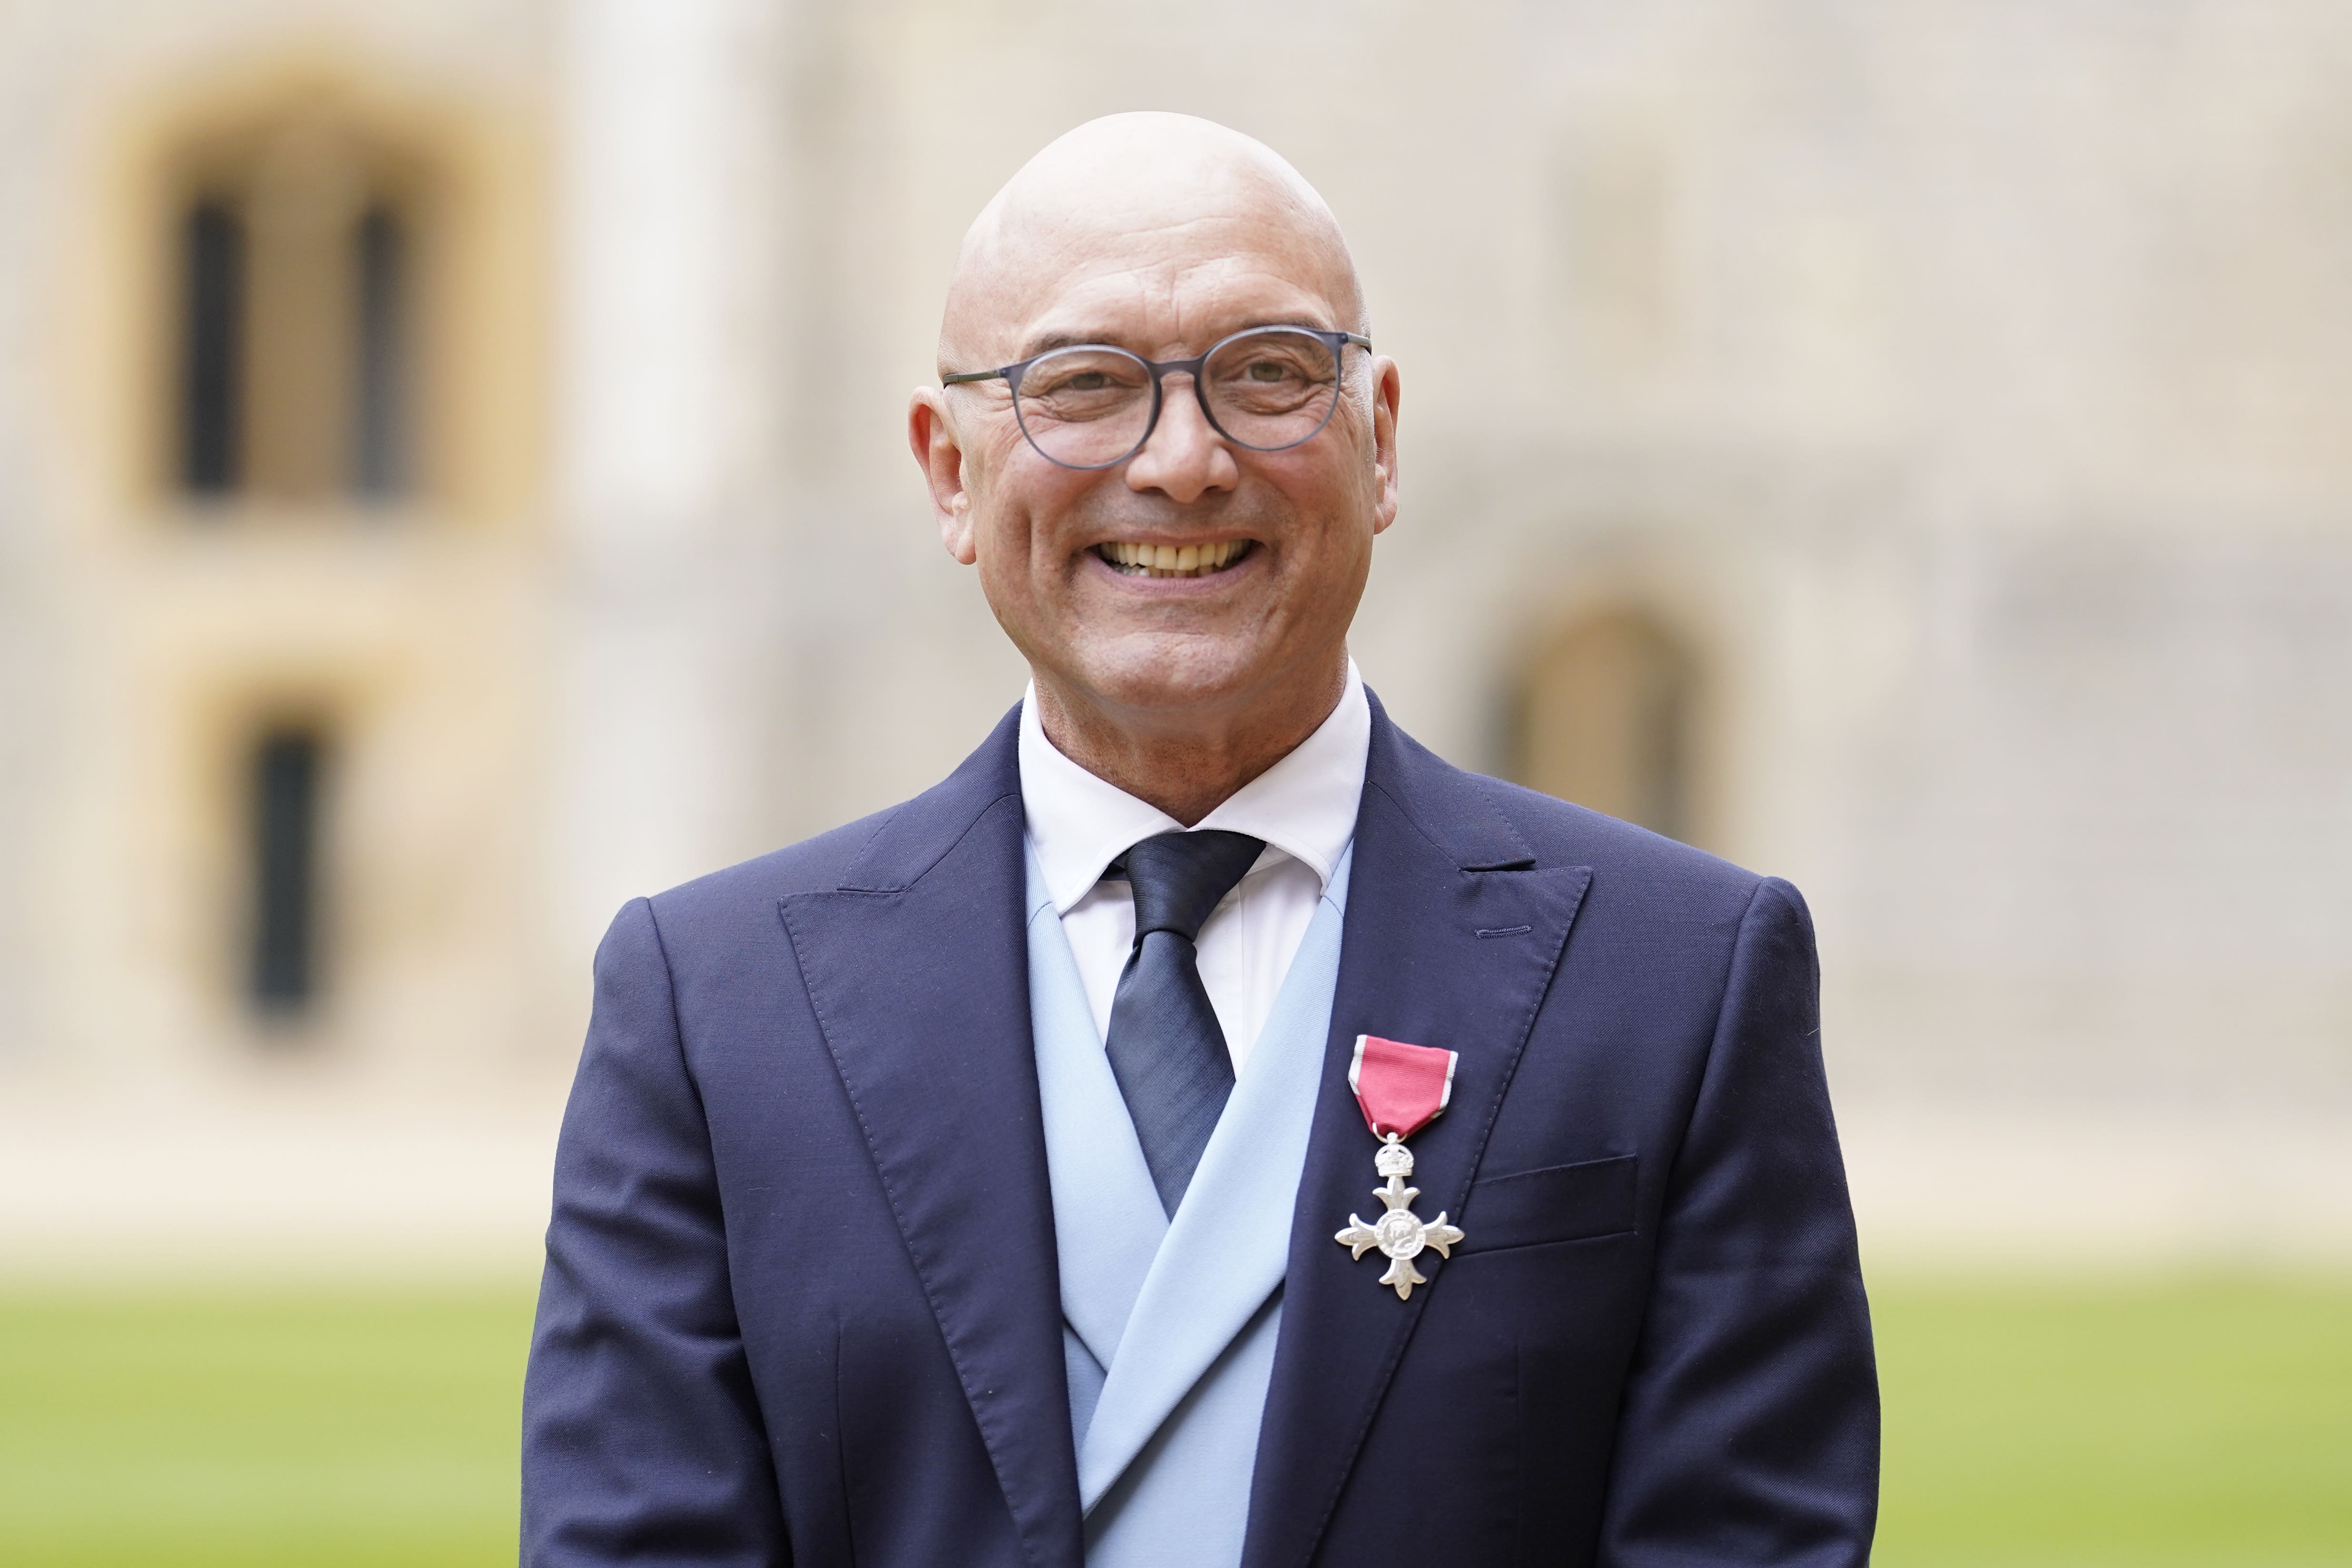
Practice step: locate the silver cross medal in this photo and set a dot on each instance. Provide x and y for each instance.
(1399, 1232)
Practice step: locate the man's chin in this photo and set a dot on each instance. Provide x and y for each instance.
(1170, 676)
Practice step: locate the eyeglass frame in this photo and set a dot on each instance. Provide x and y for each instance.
(1337, 341)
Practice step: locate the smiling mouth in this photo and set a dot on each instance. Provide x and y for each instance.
(1173, 559)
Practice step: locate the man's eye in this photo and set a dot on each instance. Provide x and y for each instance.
(1267, 369)
(1086, 381)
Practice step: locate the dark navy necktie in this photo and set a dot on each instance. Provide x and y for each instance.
(1165, 1046)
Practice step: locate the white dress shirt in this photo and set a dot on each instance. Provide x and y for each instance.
(1304, 807)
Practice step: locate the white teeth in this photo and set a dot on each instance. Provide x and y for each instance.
(1173, 559)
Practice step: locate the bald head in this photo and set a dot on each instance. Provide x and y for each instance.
(1138, 204)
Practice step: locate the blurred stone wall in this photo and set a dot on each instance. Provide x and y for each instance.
(1963, 384)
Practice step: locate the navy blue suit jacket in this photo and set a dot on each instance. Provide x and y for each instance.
(801, 1296)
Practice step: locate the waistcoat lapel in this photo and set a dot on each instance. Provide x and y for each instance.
(916, 969)
(1107, 1221)
(1227, 1247)
(1434, 866)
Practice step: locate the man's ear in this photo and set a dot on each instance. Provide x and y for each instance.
(1388, 390)
(931, 435)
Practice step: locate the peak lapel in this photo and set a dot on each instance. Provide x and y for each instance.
(918, 969)
(1434, 864)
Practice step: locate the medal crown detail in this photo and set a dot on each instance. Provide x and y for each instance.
(1398, 1233)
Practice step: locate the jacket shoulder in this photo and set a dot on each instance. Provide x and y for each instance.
(1559, 829)
(1630, 865)
(752, 888)
(872, 854)
(1488, 823)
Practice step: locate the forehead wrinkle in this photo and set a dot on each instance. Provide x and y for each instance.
(1172, 283)
(1167, 298)
(1155, 313)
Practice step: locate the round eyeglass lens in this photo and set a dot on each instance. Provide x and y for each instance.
(1086, 407)
(1271, 388)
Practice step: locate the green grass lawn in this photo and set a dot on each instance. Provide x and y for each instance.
(264, 1432)
(2028, 1424)
(2144, 1425)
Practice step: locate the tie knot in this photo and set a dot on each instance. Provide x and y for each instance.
(1179, 878)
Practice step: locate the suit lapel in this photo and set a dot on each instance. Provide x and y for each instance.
(917, 969)
(1434, 865)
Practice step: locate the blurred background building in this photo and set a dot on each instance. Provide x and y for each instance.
(452, 480)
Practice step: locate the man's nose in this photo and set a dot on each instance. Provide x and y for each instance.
(1185, 458)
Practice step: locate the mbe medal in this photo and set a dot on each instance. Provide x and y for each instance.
(1401, 1088)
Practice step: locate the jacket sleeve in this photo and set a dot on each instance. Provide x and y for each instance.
(642, 1438)
(1748, 1433)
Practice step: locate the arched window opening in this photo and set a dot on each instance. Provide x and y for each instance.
(1606, 717)
(286, 783)
(212, 267)
(381, 437)
(299, 320)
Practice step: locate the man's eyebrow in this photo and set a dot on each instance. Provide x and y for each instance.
(1052, 340)
(1045, 343)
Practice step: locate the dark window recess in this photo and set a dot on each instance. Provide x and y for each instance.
(287, 766)
(212, 371)
(380, 441)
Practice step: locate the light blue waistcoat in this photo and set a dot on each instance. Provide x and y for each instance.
(1169, 1325)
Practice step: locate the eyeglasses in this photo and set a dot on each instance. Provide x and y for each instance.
(1094, 407)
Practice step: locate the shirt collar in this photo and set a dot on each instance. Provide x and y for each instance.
(1303, 806)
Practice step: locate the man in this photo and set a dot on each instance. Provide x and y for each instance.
(983, 1182)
